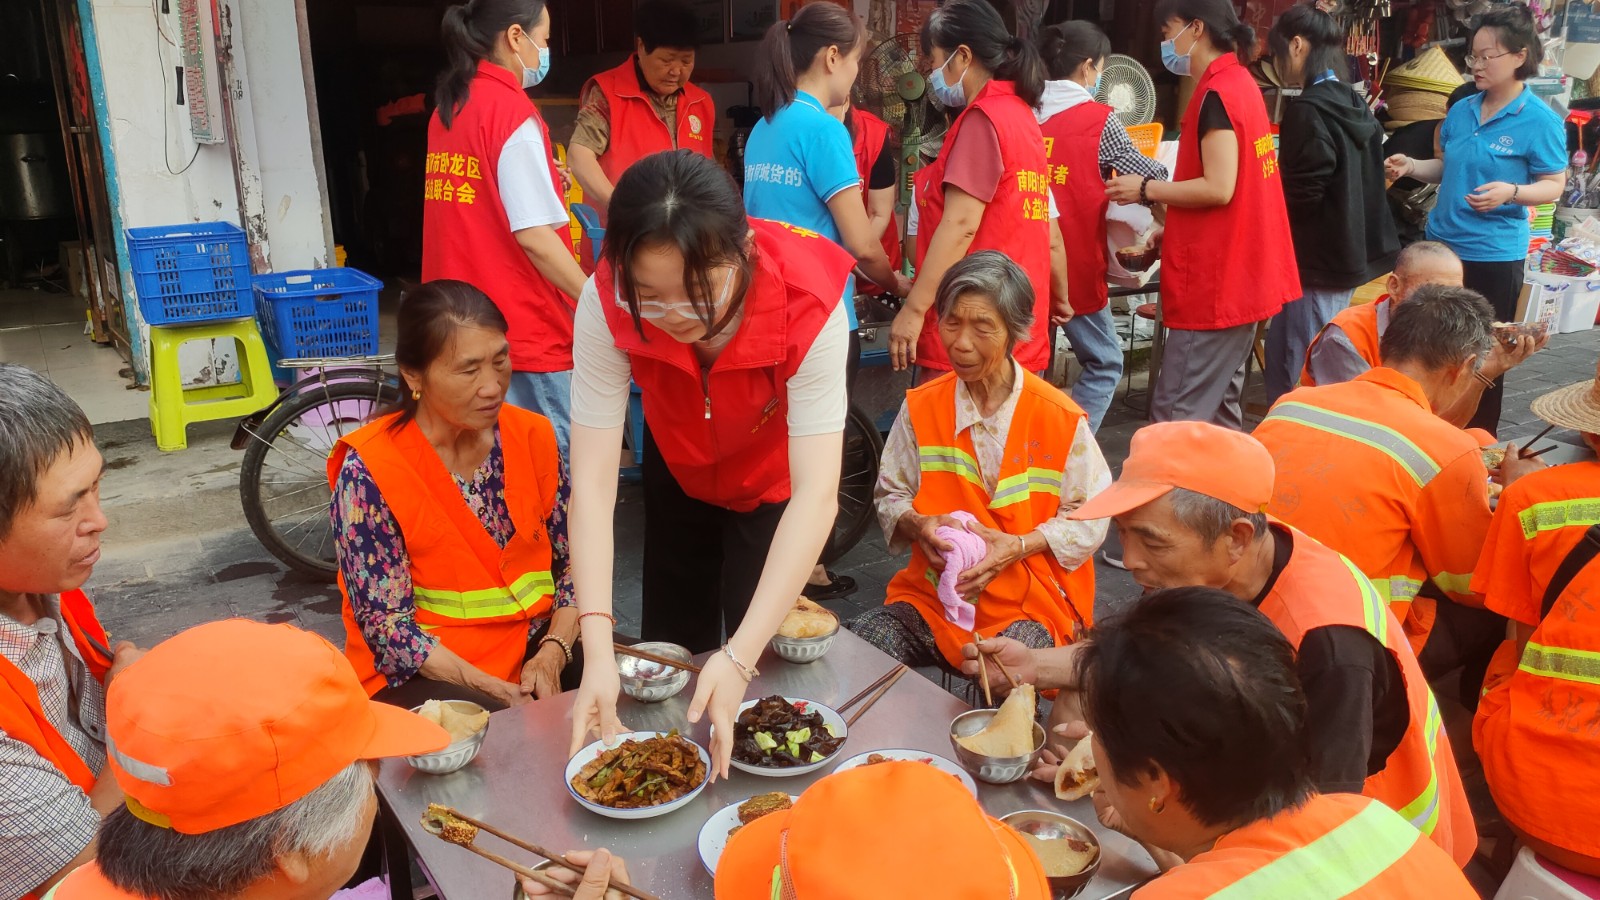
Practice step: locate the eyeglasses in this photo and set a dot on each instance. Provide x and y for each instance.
(1473, 61)
(655, 309)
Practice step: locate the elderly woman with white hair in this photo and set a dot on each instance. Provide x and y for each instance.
(978, 476)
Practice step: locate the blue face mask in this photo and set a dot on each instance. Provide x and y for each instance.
(532, 76)
(950, 95)
(1177, 65)
(1100, 76)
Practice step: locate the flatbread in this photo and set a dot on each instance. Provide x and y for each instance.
(1010, 733)
(461, 725)
(1061, 857)
(808, 620)
(1076, 777)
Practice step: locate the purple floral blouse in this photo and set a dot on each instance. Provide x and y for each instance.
(377, 570)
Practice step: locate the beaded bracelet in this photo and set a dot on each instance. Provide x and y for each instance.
(566, 648)
(609, 617)
(747, 672)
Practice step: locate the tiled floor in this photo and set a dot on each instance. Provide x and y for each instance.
(45, 332)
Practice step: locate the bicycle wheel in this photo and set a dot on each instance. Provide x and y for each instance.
(283, 482)
(863, 448)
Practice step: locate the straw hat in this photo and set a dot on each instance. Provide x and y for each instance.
(1576, 406)
(1430, 71)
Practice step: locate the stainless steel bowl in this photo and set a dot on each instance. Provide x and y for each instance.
(993, 769)
(805, 650)
(1054, 826)
(649, 682)
(459, 753)
(517, 893)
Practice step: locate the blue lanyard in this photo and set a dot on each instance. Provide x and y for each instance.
(1325, 76)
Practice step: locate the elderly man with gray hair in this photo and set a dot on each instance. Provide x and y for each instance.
(55, 658)
(978, 476)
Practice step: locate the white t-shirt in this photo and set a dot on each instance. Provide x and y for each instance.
(601, 373)
(530, 198)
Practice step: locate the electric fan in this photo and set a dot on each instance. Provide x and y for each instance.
(1126, 87)
(892, 86)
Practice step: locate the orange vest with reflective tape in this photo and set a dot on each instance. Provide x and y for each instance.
(473, 596)
(87, 882)
(1334, 845)
(1360, 326)
(1319, 588)
(1027, 494)
(22, 715)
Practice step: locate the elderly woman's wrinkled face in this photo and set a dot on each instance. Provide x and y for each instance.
(466, 385)
(975, 337)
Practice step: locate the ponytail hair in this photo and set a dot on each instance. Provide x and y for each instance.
(468, 33)
(1320, 31)
(1223, 27)
(1067, 46)
(979, 26)
(790, 47)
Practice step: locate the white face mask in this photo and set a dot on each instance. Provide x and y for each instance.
(531, 76)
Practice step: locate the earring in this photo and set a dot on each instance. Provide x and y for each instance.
(416, 395)
(1156, 806)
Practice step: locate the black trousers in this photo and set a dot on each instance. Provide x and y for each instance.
(1464, 638)
(1501, 284)
(420, 690)
(701, 561)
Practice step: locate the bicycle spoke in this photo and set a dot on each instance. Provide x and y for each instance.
(311, 486)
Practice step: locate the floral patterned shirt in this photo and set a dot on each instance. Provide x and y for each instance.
(377, 570)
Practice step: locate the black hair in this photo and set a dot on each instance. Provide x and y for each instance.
(429, 315)
(666, 23)
(790, 47)
(39, 424)
(685, 201)
(1202, 686)
(979, 26)
(1223, 27)
(1067, 46)
(1515, 31)
(1320, 31)
(1438, 327)
(468, 33)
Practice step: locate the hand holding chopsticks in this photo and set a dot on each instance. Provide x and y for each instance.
(458, 828)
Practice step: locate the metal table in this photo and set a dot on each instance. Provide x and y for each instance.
(515, 784)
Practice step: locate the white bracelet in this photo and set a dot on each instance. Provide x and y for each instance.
(749, 673)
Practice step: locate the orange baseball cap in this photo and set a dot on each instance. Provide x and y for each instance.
(231, 720)
(1197, 456)
(896, 829)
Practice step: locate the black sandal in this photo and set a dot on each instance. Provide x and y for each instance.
(837, 588)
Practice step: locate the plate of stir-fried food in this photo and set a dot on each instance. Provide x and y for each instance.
(645, 774)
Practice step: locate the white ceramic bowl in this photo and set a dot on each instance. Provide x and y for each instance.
(1048, 825)
(459, 753)
(650, 682)
(993, 769)
(587, 755)
(902, 753)
(714, 833)
(829, 717)
(805, 650)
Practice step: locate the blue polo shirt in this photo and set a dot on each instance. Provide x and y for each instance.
(794, 163)
(1523, 141)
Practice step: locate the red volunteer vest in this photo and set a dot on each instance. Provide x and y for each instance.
(723, 433)
(867, 133)
(1027, 494)
(472, 595)
(1229, 265)
(22, 716)
(464, 231)
(1420, 782)
(636, 130)
(1072, 147)
(1016, 222)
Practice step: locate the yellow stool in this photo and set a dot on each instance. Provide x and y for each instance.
(173, 407)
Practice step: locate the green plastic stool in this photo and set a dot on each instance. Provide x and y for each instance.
(173, 407)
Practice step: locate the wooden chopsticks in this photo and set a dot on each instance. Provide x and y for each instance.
(876, 683)
(454, 833)
(888, 682)
(1011, 679)
(647, 656)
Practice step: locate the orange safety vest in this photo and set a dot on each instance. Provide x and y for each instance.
(1537, 728)
(87, 882)
(638, 131)
(472, 595)
(1335, 845)
(1027, 493)
(1366, 468)
(1360, 325)
(22, 715)
(1319, 588)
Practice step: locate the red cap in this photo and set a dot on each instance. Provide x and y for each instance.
(231, 720)
(1228, 465)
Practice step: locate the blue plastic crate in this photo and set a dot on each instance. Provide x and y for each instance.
(319, 312)
(198, 272)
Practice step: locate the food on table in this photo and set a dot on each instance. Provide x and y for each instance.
(1063, 856)
(1495, 490)
(876, 758)
(1493, 457)
(808, 620)
(774, 733)
(1010, 733)
(637, 774)
(1136, 258)
(762, 805)
(1076, 776)
(451, 717)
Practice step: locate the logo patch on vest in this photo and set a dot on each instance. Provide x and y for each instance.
(695, 125)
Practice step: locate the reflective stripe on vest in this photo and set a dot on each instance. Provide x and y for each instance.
(1374, 608)
(1558, 514)
(1336, 864)
(1559, 662)
(489, 603)
(950, 459)
(1387, 441)
(1423, 812)
(1397, 588)
(1021, 487)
